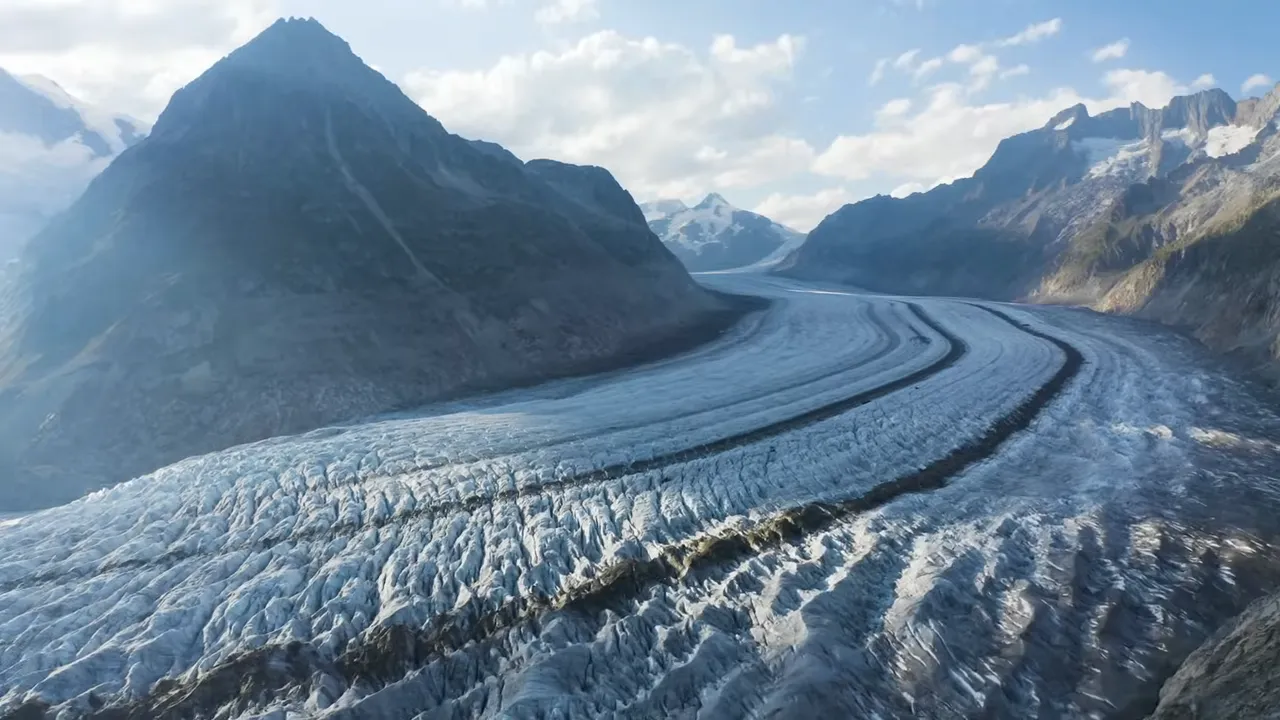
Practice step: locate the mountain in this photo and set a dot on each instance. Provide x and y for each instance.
(1170, 214)
(714, 235)
(1231, 675)
(296, 243)
(51, 146)
(659, 209)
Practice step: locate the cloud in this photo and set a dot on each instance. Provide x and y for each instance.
(877, 73)
(668, 121)
(983, 66)
(965, 54)
(1033, 33)
(982, 71)
(1113, 51)
(127, 55)
(562, 11)
(906, 59)
(890, 112)
(1204, 81)
(949, 137)
(906, 189)
(1015, 71)
(40, 179)
(803, 212)
(1254, 82)
(926, 67)
(1153, 89)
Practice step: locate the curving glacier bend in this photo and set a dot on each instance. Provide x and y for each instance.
(849, 505)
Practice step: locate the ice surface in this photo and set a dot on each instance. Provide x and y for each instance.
(1228, 139)
(1110, 157)
(993, 589)
(1186, 136)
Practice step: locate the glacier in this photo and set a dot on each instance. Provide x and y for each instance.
(729, 532)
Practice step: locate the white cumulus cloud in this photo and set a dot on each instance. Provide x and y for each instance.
(1033, 33)
(925, 68)
(1112, 51)
(804, 211)
(1015, 71)
(1255, 82)
(668, 121)
(877, 72)
(562, 11)
(126, 55)
(1203, 82)
(906, 59)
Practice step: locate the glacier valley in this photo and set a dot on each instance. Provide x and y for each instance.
(848, 505)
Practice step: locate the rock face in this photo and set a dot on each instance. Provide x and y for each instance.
(1233, 675)
(298, 243)
(51, 145)
(1166, 213)
(714, 235)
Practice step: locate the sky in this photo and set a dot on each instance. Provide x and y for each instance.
(791, 109)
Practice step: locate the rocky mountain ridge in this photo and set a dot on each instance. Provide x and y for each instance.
(297, 243)
(1164, 213)
(714, 235)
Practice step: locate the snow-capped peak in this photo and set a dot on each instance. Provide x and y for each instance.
(713, 201)
(714, 235)
(61, 143)
(117, 130)
(658, 209)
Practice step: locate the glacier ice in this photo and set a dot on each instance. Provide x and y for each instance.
(940, 603)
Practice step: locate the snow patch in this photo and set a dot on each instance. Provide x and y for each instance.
(1113, 157)
(1229, 139)
(1186, 136)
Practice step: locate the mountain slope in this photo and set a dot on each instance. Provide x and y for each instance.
(51, 145)
(1165, 213)
(714, 235)
(296, 243)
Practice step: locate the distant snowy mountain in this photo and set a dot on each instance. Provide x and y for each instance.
(51, 146)
(659, 209)
(714, 235)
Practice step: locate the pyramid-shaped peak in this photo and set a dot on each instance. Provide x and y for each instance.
(296, 30)
(713, 200)
(291, 56)
(297, 43)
